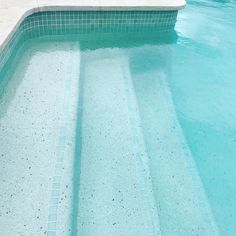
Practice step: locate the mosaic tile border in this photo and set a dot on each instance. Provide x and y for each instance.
(86, 22)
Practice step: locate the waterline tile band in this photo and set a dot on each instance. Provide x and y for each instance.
(86, 22)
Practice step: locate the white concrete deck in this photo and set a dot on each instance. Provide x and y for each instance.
(13, 12)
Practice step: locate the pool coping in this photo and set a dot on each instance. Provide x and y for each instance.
(13, 14)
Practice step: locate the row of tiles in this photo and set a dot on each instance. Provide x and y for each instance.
(13, 11)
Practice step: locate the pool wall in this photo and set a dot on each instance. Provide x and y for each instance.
(85, 22)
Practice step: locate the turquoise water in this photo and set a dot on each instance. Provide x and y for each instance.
(120, 134)
(203, 87)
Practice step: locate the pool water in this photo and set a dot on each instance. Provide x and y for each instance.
(123, 134)
(203, 87)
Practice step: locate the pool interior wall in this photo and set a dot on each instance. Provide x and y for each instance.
(99, 137)
(82, 22)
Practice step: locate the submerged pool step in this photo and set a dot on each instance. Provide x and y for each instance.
(37, 120)
(183, 207)
(60, 205)
(115, 196)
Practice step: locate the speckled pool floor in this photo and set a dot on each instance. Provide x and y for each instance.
(91, 145)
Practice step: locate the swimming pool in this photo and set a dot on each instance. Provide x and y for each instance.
(122, 130)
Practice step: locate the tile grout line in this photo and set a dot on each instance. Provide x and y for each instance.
(60, 156)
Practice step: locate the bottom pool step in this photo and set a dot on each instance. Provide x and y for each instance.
(183, 207)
